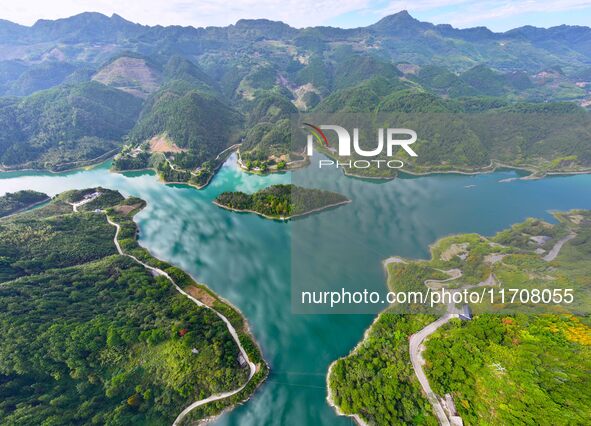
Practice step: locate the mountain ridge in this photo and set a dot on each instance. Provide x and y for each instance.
(401, 17)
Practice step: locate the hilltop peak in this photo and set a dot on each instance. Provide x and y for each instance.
(84, 27)
(402, 16)
(400, 21)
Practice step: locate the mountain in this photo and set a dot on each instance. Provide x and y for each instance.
(86, 27)
(130, 73)
(400, 24)
(200, 90)
(516, 48)
(183, 127)
(64, 126)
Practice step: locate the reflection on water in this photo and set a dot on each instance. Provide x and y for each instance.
(250, 260)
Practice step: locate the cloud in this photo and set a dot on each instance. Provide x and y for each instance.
(473, 12)
(298, 13)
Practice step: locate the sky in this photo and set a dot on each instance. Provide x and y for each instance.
(498, 15)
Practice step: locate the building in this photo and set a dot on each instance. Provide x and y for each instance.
(466, 313)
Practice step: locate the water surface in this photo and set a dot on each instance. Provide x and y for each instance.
(251, 261)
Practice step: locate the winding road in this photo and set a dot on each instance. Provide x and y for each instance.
(416, 340)
(416, 357)
(553, 253)
(231, 329)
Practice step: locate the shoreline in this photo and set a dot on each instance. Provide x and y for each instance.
(228, 150)
(494, 166)
(292, 165)
(89, 163)
(329, 397)
(29, 207)
(286, 218)
(262, 365)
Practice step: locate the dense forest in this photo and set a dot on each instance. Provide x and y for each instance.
(65, 127)
(514, 369)
(11, 203)
(513, 363)
(376, 381)
(91, 337)
(281, 201)
(102, 84)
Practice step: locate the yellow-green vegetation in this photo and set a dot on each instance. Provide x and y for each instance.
(376, 381)
(506, 370)
(516, 258)
(281, 201)
(88, 336)
(530, 367)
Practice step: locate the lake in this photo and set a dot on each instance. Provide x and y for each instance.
(254, 262)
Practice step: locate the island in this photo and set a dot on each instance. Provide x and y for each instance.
(12, 203)
(95, 330)
(281, 202)
(498, 365)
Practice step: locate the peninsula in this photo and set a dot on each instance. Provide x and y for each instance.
(477, 368)
(95, 329)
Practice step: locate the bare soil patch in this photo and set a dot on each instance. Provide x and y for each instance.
(201, 295)
(126, 209)
(161, 143)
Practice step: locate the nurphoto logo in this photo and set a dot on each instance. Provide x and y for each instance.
(390, 138)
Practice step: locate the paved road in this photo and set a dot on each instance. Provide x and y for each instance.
(552, 254)
(417, 339)
(416, 357)
(230, 327)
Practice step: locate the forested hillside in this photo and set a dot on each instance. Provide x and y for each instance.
(91, 337)
(519, 367)
(12, 203)
(65, 126)
(468, 134)
(203, 90)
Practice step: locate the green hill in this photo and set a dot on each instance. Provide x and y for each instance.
(469, 134)
(90, 336)
(65, 126)
(281, 201)
(11, 203)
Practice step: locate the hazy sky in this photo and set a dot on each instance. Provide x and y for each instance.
(498, 15)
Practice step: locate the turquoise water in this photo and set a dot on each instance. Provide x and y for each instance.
(251, 261)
